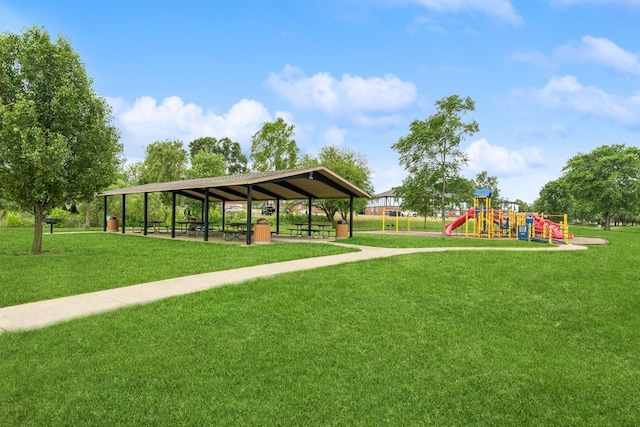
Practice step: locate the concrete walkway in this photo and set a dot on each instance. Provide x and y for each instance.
(43, 313)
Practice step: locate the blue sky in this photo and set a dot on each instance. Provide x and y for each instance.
(550, 78)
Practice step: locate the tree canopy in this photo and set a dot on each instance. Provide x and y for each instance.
(431, 152)
(605, 181)
(274, 148)
(57, 142)
(555, 197)
(349, 165)
(164, 161)
(230, 151)
(206, 164)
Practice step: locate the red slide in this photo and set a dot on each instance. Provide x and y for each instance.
(556, 229)
(459, 221)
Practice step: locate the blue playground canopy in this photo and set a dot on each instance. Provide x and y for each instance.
(483, 193)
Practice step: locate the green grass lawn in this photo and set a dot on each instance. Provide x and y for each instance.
(449, 338)
(367, 222)
(80, 263)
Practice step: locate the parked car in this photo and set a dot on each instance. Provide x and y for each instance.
(394, 213)
(268, 210)
(410, 213)
(233, 209)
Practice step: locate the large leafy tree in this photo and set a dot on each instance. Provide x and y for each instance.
(164, 161)
(607, 180)
(274, 148)
(555, 197)
(231, 152)
(206, 164)
(432, 148)
(349, 165)
(57, 143)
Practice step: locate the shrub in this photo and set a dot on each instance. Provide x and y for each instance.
(13, 219)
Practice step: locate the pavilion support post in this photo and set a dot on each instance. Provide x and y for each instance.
(350, 216)
(205, 217)
(104, 220)
(277, 216)
(249, 202)
(309, 217)
(146, 209)
(224, 208)
(173, 214)
(124, 213)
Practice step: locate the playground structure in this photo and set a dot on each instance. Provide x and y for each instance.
(489, 223)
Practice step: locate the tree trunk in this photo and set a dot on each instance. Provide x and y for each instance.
(442, 207)
(607, 221)
(37, 229)
(87, 216)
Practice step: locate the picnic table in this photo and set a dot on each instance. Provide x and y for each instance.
(194, 227)
(322, 230)
(235, 230)
(152, 227)
(316, 230)
(299, 228)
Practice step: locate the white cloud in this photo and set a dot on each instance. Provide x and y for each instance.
(499, 9)
(370, 101)
(567, 93)
(146, 121)
(498, 160)
(602, 52)
(334, 136)
(521, 173)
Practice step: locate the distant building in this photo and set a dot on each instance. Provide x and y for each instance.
(383, 202)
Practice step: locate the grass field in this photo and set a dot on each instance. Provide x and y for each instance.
(79, 263)
(450, 338)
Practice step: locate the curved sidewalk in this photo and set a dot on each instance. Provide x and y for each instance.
(44, 313)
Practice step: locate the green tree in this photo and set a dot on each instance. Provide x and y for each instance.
(164, 161)
(607, 179)
(273, 147)
(206, 164)
(349, 165)
(432, 148)
(131, 174)
(420, 193)
(231, 152)
(460, 190)
(554, 198)
(57, 141)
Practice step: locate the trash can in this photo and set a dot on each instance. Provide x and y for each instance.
(262, 231)
(112, 223)
(342, 229)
